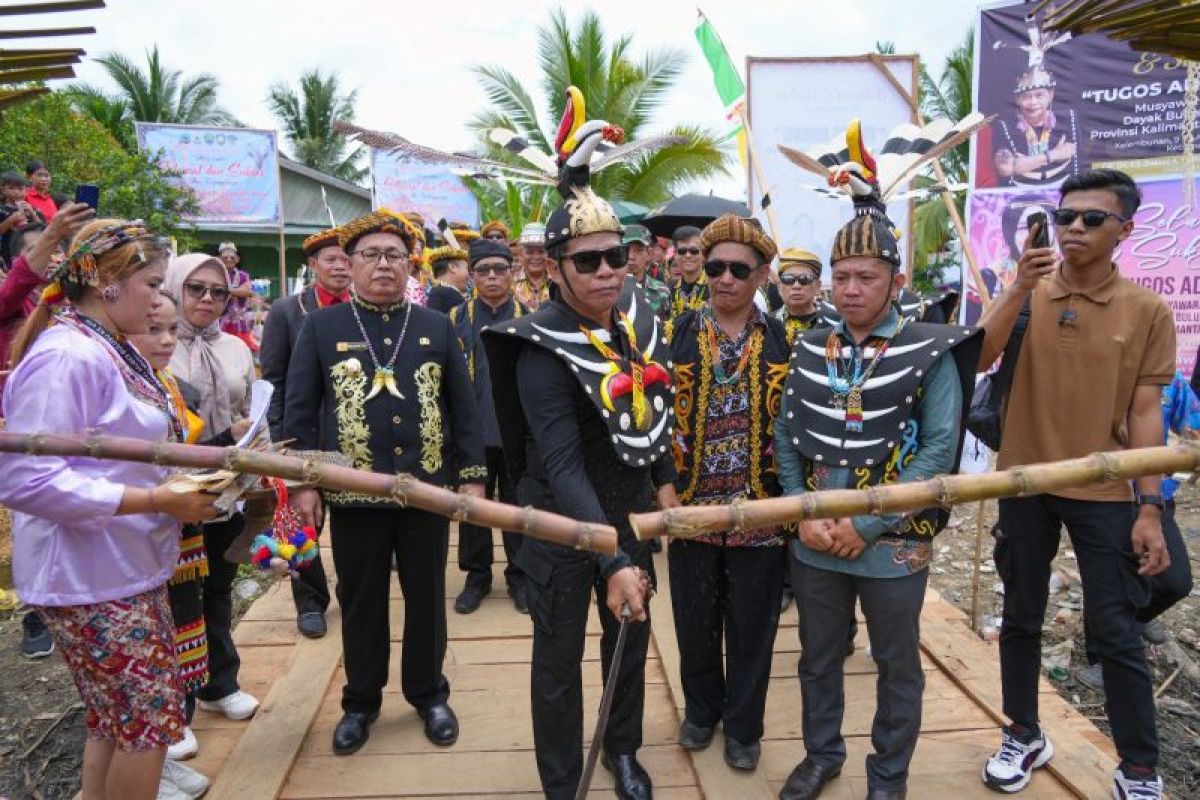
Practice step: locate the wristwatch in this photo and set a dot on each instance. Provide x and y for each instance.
(1152, 500)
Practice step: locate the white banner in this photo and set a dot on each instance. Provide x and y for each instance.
(433, 190)
(804, 102)
(234, 172)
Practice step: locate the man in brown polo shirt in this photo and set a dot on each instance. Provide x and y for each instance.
(1097, 352)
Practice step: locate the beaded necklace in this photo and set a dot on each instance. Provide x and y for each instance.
(385, 374)
(714, 352)
(847, 383)
(634, 366)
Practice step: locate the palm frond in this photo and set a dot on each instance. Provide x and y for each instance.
(510, 97)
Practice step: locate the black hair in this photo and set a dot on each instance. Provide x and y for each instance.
(16, 242)
(1129, 196)
(441, 266)
(685, 232)
(34, 166)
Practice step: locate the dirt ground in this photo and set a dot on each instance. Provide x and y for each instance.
(41, 720)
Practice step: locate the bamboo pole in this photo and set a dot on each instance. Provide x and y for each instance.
(405, 489)
(977, 276)
(756, 163)
(975, 571)
(686, 522)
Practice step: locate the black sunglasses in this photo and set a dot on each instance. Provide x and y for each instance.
(716, 268)
(219, 294)
(687, 251)
(588, 261)
(1092, 217)
(495, 236)
(491, 269)
(803, 280)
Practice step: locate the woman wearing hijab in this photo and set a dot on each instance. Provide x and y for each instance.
(221, 369)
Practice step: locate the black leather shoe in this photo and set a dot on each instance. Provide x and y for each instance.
(470, 597)
(517, 593)
(631, 780)
(694, 737)
(742, 756)
(807, 780)
(885, 794)
(352, 732)
(441, 726)
(311, 624)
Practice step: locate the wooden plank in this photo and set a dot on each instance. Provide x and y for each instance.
(266, 752)
(716, 778)
(975, 666)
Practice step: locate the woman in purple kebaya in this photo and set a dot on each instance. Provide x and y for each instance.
(95, 542)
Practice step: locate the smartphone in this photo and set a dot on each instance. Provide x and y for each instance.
(1041, 238)
(88, 194)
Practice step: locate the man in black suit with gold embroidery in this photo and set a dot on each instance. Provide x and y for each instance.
(385, 383)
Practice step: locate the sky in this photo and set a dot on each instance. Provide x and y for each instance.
(411, 64)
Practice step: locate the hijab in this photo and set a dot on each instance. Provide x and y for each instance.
(197, 347)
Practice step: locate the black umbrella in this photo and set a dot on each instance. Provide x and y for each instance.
(691, 209)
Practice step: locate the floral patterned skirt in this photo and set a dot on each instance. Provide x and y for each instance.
(121, 655)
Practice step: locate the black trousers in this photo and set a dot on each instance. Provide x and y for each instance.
(1166, 588)
(365, 540)
(1026, 542)
(475, 543)
(559, 601)
(310, 590)
(217, 592)
(726, 595)
(892, 607)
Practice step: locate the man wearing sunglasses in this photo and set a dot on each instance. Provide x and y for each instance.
(583, 399)
(331, 268)
(532, 286)
(384, 382)
(638, 240)
(730, 360)
(799, 287)
(691, 291)
(876, 399)
(1097, 351)
(492, 305)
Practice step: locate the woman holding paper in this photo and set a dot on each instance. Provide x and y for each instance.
(221, 368)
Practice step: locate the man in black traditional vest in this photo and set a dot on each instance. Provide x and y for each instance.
(450, 277)
(384, 383)
(584, 403)
(876, 399)
(331, 268)
(492, 304)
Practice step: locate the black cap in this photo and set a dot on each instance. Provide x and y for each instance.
(11, 177)
(480, 249)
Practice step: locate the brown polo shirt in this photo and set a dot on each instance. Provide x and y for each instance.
(1083, 355)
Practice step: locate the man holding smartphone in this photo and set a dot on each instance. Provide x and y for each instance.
(1089, 377)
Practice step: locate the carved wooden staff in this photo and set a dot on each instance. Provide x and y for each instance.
(688, 521)
(405, 489)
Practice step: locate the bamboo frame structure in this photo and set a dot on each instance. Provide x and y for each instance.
(686, 522)
(405, 489)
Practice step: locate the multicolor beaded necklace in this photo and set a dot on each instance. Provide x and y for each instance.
(846, 378)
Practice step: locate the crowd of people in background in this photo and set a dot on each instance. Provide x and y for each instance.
(461, 357)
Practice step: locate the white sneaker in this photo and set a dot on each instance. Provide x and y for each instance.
(1125, 788)
(238, 705)
(185, 779)
(169, 791)
(1011, 767)
(184, 748)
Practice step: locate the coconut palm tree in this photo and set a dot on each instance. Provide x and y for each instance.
(618, 87)
(307, 116)
(157, 93)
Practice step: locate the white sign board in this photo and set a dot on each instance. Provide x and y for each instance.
(805, 102)
(234, 172)
(402, 184)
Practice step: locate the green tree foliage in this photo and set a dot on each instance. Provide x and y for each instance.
(78, 149)
(307, 116)
(157, 93)
(618, 87)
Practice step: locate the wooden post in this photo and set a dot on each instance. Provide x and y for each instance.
(975, 574)
(752, 154)
(955, 217)
(283, 287)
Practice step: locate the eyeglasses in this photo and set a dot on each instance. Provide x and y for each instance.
(195, 290)
(1092, 217)
(739, 269)
(588, 261)
(687, 251)
(372, 256)
(495, 236)
(491, 269)
(791, 278)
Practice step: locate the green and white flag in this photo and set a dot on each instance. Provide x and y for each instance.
(729, 84)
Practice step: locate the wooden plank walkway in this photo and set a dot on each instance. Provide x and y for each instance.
(285, 751)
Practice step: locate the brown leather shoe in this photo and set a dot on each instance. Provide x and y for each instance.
(807, 780)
